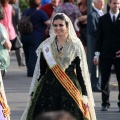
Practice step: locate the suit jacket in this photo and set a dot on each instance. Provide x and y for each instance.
(108, 36)
(92, 25)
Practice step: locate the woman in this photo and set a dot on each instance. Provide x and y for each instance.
(83, 22)
(5, 46)
(15, 20)
(59, 88)
(32, 40)
(7, 21)
(71, 10)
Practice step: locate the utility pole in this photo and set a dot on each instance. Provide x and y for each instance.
(89, 57)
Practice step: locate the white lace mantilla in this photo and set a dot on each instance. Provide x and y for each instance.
(72, 49)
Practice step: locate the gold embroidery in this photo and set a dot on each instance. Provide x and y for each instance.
(71, 89)
(6, 109)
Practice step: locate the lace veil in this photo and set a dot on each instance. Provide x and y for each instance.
(80, 53)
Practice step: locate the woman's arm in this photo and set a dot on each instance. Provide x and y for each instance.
(79, 76)
(43, 66)
(82, 18)
(47, 22)
(8, 44)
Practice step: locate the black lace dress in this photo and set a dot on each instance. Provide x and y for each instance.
(50, 95)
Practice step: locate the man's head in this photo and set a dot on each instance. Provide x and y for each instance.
(55, 2)
(99, 4)
(114, 5)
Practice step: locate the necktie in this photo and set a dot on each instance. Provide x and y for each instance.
(113, 18)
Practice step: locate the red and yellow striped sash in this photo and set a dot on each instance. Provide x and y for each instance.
(71, 89)
(65, 81)
(6, 109)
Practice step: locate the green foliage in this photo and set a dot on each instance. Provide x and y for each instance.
(106, 1)
(23, 4)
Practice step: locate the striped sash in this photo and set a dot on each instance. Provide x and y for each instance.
(65, 80)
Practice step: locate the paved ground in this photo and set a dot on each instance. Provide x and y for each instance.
(17, 85)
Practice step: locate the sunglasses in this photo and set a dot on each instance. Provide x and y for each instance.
(60, 25)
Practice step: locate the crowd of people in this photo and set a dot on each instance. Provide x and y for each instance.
(55, 47)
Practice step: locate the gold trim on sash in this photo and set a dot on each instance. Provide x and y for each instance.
(65, 81)
(71, 89)
(6, 109)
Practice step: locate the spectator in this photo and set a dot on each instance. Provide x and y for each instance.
(83, 22)
(70, 10)
(7, 44)
(15, 19)
(32, 40)
(45, 2)
(92, 25)
(49, 8)
(108, 45)
(7, 21)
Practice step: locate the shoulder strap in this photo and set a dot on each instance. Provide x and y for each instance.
(31, 14)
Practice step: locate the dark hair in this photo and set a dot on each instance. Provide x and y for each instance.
(12, 1)
(4, 2)
(66, 1)
(61, 17)
(55, 115)
(34, 4)
(46, 116)
(64, 115)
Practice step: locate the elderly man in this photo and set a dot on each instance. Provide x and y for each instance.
(92, 25)
(108, 45)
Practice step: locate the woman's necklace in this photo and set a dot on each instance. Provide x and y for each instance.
(59, 48)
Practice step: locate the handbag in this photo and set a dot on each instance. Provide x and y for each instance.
(16, 43)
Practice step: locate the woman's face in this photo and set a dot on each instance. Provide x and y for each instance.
(37, 2)
(60, 27)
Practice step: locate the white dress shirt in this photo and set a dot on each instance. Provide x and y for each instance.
(100, 12)
(111, 14)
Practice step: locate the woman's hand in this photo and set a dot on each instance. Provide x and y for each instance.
(8, 45)
(85, 100)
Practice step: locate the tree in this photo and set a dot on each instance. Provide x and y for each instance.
(23, 4)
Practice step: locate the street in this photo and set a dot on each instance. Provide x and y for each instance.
(17, 85)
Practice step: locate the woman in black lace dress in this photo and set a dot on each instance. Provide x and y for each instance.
(59, 87)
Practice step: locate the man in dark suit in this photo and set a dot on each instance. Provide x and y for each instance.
(92, 24)
(108, 45)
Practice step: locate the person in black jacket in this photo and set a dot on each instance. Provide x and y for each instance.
(108, 45)
(92, 25)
